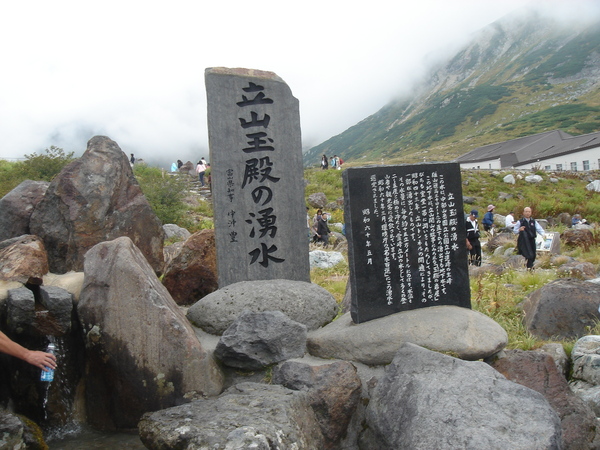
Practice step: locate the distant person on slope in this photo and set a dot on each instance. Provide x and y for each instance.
(200, 170)
(473, 243)
(488, 220)
(576, 220)
(324, 163)
(509, 221)
(323, 230)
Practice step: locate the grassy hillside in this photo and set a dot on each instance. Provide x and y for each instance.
(492, 293)
(513, 80)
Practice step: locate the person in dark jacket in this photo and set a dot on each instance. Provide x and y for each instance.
(322, 230)
(527, 228)
(473, 243)
(488, 220)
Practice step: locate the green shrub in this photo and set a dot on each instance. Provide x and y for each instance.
(35, 167)
(45, 167)
(165, 193)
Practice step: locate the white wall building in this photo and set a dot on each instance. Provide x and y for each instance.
(551, 151)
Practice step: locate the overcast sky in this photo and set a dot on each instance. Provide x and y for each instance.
(134, 70)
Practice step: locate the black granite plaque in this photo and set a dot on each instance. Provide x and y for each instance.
(406, 238)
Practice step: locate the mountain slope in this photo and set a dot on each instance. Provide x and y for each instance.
(521, 75)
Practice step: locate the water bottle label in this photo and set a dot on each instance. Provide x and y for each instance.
(47, 376)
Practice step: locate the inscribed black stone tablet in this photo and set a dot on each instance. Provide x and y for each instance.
(257, 177)
(406, 238)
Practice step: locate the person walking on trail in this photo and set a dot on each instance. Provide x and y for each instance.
(473, 243)
(527, 229)
(323, 230)
(200, 170)
(488, 220)
(324, 162)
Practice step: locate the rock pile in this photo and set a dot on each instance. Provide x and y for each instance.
(260, 364)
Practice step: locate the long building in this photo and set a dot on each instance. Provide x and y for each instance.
(550, 151)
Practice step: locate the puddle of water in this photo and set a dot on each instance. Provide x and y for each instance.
(90, 439)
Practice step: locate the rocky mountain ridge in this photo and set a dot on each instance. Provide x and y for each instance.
(519, 76)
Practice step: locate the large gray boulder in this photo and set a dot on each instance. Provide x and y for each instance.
(245, 416)
(302, 302)
(324, 260)
(173, 231)
(334, 391)
(16, 208)
(427, 400)
(467, 333)
(257, 340)
(563, 308)
(534, 179)
(95, 198)
(577, 269)
(142, 353)
(586, 371)
(586, 359)
(537, 370)
(17, 433)
(317, 200)
(594, 186)
(509, 179)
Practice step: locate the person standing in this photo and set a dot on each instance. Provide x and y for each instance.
(324, 163)
(200, 170)
(132, 160)
(488, 220)
(473, 243)
(527, 229)
(315, 221)
(323, 230)
(308, 225)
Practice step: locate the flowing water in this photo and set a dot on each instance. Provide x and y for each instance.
(72, 435)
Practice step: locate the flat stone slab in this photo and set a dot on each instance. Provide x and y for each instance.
(463, 332)
(302, 302)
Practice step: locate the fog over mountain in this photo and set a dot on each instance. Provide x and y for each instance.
(135, 72)
(526, 73)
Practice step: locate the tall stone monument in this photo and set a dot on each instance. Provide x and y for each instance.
(257, 177)
(406, 238)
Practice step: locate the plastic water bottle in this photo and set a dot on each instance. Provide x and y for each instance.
(49, 375)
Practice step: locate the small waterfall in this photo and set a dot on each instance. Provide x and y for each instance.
(58, 396)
